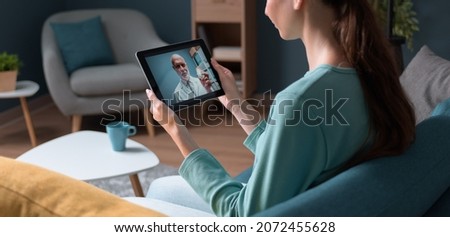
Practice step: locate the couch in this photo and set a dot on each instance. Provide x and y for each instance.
(415, 183)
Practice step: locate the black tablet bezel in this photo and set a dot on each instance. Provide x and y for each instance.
(142, 59)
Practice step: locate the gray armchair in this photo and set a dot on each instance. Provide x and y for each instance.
(104, 89)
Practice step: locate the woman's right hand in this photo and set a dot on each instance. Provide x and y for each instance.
(232, 96)
(247, 116)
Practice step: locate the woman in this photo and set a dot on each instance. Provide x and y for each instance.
(348, 108)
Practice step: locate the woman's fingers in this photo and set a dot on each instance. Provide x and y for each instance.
(150, 94)
(232, 94)
(156, 106)
(223, 71)
(160, 111)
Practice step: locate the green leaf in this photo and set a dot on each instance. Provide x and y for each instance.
(9, 62)
(405, 22)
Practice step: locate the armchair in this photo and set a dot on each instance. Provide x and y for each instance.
(103, 89)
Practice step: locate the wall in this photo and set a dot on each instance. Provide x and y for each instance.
(434, 28)
(171, 18)
(21, 21)
(172, 21)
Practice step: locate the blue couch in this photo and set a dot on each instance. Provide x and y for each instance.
(416, 183)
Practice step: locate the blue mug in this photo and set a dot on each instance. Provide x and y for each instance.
(118, 133)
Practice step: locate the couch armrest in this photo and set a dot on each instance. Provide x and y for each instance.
(56, 75)
(442, 207)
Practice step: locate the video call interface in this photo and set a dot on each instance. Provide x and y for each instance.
(170, 68)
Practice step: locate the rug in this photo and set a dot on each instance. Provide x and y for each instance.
(121, 186)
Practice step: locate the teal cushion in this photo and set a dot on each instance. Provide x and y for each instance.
(442, 108)
(83, 43)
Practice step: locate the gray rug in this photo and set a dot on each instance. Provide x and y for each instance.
(121, 186)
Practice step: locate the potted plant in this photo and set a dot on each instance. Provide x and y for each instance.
(404, 22)
(9, 67)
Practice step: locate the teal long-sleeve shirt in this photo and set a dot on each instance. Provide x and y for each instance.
(314, 126)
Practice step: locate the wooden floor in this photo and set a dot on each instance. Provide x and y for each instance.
(222, 136)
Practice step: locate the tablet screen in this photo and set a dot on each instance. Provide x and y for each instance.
(181, 74)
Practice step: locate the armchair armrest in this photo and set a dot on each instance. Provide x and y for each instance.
(55, 72)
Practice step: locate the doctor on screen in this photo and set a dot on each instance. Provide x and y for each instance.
(189, 86)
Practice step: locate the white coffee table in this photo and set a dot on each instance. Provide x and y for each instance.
(24, 89)
(88, 155)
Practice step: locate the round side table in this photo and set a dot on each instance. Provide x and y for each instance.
(24, 89)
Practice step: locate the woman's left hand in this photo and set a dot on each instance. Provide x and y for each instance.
(161, 113)
(172, 124)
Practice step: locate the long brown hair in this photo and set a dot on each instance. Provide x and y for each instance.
(367, 48)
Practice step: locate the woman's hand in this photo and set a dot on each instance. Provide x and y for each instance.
(172, 124)
(161, 113)
(232, 96)
(244, 112)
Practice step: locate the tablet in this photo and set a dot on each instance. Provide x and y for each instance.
(181, 74)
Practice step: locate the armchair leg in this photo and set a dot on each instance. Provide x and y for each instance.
(149, 122)
(76, 122)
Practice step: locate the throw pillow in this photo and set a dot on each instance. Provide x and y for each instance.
(29, 190)
(442, 108)
(83, 43)
(426, 80)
